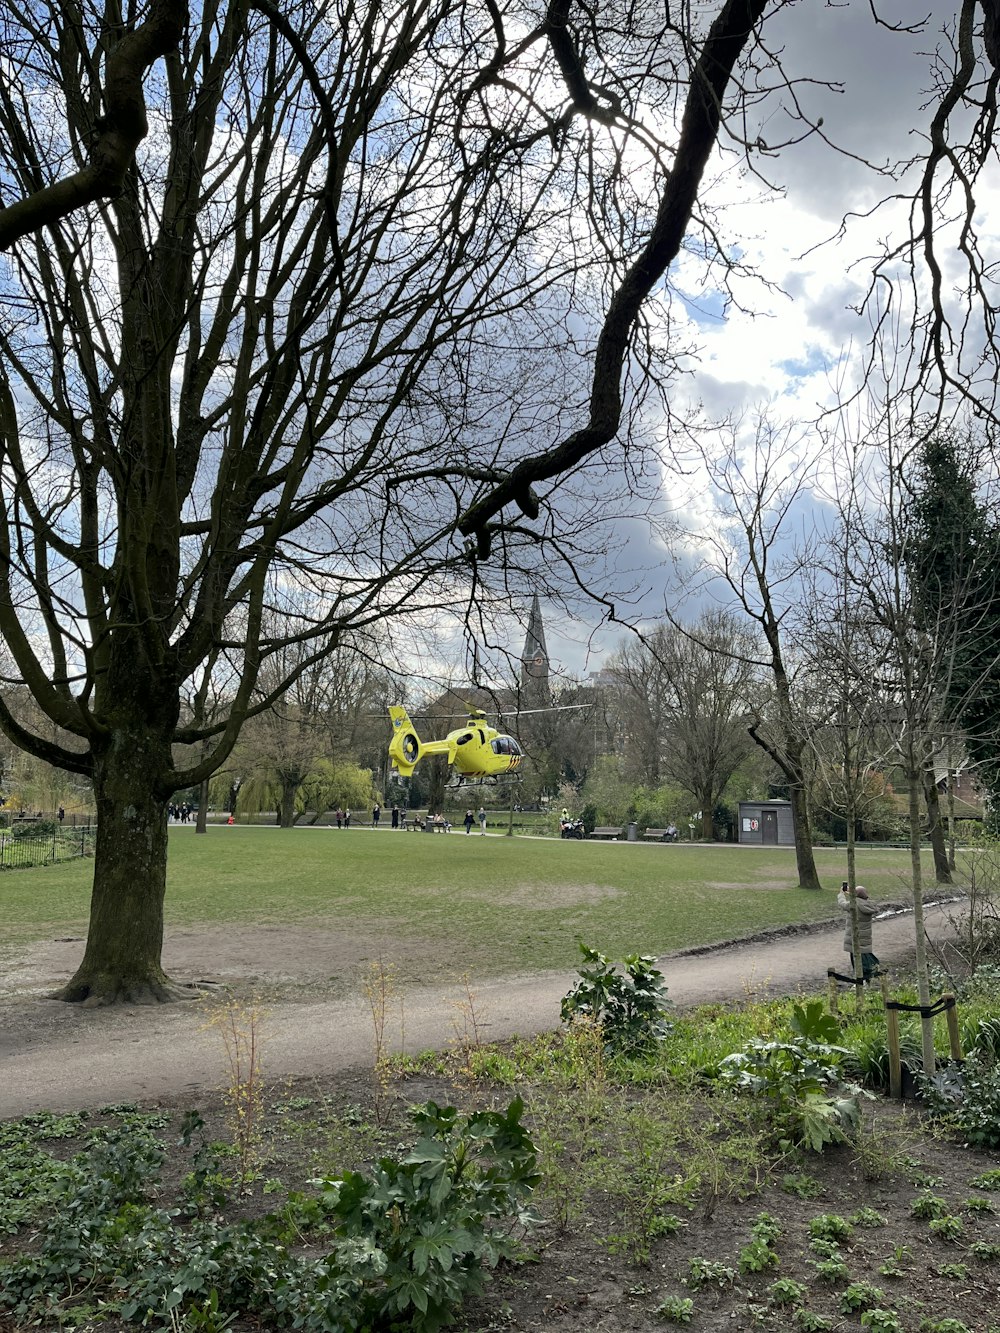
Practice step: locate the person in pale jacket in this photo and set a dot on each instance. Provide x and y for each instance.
(866, 910)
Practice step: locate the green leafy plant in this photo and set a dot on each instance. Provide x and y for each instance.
(809, 1322)
(630, 1006)
(830, 1226)
(831, 1270)
(967, 1100)
(944, 1326)
(206, 1317)
(948, 1228)
(987, 1252)
(786, 1291)
(977, 1204)
(989, 1180)
(758, 1257)
(959, 1272)
(406, 1243)
(882, 1321)
(676, 1309)
(709, 1272)
(868, 1217)
(801, 1078)
(928, 1206)
(805, 1186)
(766, 1228)
(826, 1249)
(861, 1296)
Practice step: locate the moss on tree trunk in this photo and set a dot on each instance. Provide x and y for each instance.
(125, 938)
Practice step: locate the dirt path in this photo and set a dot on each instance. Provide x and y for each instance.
(62, 1057)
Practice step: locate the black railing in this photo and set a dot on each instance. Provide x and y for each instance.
(24, 845)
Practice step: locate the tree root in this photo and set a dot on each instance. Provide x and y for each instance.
(95, 992)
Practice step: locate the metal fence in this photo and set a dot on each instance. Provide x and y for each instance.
(23, 846)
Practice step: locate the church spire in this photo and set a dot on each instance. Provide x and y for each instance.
(535, 659)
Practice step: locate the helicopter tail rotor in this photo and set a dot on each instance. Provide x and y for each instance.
(404, 751)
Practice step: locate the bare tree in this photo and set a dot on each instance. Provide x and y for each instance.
(300, 336)
(749, 559)
(688, 693)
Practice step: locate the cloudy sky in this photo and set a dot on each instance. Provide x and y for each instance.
(798, 345)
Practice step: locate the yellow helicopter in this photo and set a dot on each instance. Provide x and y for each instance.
(480, 754)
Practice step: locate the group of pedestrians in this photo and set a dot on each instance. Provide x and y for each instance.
(398, 819)
(471, 818)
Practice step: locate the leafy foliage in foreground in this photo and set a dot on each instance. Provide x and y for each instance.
(629, 1006)
(801, 1078)
(409, 1241)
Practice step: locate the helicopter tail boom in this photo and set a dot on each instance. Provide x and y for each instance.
(404, 749)
(407, 749)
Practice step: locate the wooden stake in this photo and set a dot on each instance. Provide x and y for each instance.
(831, 986)
(895, 1060)
(953, 1034)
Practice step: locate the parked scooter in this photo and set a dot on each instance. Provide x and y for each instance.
(572, 828)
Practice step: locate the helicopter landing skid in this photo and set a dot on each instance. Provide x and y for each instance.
(456, 783)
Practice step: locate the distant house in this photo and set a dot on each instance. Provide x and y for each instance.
(767, 823)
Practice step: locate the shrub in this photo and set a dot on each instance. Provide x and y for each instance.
(630, 1006)
(800, 1077)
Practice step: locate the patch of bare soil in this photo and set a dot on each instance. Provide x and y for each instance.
(285, 961)
(559, 895)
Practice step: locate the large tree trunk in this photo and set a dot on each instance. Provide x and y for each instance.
(707, 810)
(201, 822)
(805, 862)
(286, 810)
(125, 939)
(939, 845)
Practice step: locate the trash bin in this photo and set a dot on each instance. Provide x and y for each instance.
(633, 833)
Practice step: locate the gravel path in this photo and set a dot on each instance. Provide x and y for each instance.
(63, 1057)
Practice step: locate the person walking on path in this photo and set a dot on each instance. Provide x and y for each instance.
(347, 819)
(376, 814)
(468, 822)
(339, 816)
(481, 816)
(395, 816)
(866, 910)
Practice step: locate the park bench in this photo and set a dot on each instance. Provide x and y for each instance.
(660, 834)
(607, 833)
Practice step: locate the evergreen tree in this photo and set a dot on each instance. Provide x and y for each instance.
(951, 553)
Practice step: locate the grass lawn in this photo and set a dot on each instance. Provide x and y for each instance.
(504, 904)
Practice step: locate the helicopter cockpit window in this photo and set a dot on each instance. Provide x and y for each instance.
(505, 745)
(464, 740)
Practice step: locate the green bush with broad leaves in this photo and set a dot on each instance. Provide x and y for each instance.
(407, 1243)
(801, 1078)
(966, 1099)
(629, 1005)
